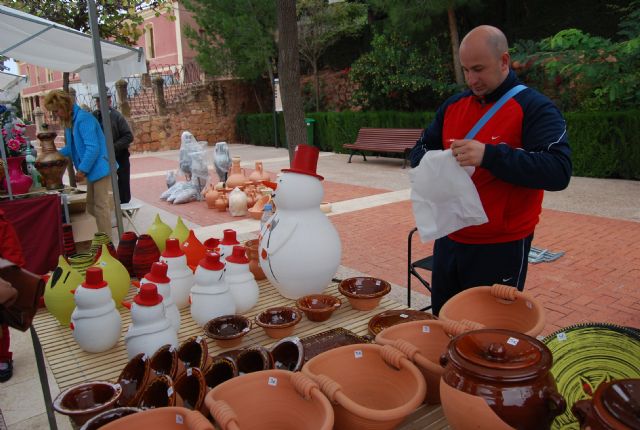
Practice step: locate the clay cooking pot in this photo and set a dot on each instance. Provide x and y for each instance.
(83, 401)
(614, 405)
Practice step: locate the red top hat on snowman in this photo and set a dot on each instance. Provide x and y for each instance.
(305, 161)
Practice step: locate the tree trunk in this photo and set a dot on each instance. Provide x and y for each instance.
(316, 84)
(289, 74)
(455, 44)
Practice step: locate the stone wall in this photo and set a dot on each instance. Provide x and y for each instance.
(208, 111)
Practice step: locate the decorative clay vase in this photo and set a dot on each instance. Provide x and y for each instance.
(145, 254)
(240, 280)
(125, 250)
(50, 163)
(98, 240)
(158, 276)
(254, 263)
(180, 232)
(259, 174)
(81, 262)
(485, 370)
(20, 183)
(159, 231)
(115, 274)
(69, 244)
(58, 292)
(211, 197)
(236, 176)
(193, 249)
(210, 296)
(95, 322)
(179, 272)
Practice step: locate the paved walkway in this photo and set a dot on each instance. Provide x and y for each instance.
(596, 222)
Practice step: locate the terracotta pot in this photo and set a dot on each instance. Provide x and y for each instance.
(499, 306)
(497, 366)
(614, 405)
(211, 197)
(83, 401)
(253, 359)
(288, 354)
(279, 322)
(20, 183)
(318, 307)
(133, 379)
(371, 386)
(193, 249)
(169, 418)
(165, 361)
(192, 388)
(194, 352)
(236, 176)
(254, 260)
(255, 211)
(274, 399)
(125, 249)
(145, 254)
(104, 418)
(228, 330)
(364, 293)
(50, 163)
(159, 393)
(222, 369)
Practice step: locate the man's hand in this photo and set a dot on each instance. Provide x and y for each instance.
(80, 176)
(468, 152)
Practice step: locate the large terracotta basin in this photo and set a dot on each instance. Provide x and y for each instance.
(499, 306)
(423, 342)
(270, 399)
(371, 386)
(169, 418)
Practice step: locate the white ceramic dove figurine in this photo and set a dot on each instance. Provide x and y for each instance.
(210, 296)
(179, 272)
(158, 276)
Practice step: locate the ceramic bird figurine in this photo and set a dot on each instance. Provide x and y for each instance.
(221, 160)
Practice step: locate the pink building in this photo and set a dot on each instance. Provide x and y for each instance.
(166, 47)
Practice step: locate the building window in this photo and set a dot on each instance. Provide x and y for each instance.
(149, 43)
(38, 78)
(49, 75)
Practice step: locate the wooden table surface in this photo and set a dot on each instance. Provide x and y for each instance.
(70, 365)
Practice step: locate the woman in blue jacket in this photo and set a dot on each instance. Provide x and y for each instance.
(85, 144)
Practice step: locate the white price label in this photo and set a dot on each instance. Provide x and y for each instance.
(357, 353)
(189, 371)
(172, 348)
(170, 391)
(198, 339)
(404, 316)
(272, 381)
(529, 304)
(145, 357)
(426, 329)
(562, 336)
(179, 419)
(512, 341)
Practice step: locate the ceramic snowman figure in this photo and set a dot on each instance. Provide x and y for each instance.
(150, 328)
(158, 276)
(95, 322)
(300, 249)
(240, 280)
(210, 296)
(229, 240)
(179, 273)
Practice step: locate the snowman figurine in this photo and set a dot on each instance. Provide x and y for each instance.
(210, 296)
(240, 280)
(150, 328)
(95, 322)
(179, 273)
(300, 249)
(158, 276)
(229, 240)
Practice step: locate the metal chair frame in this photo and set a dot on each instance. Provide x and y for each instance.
(424, 263)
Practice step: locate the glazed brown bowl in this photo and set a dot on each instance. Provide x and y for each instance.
(228, 330)
(108, 416)
(318, 307)
(364, 293)
(84, 401)
(279, 322)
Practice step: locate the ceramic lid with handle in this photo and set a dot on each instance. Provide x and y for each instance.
(499, 355)
(620, 400)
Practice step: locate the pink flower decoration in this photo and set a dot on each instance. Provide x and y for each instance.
(13, 145)
(4, 132)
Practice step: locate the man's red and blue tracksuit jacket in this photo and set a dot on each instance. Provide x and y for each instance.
(527, 151)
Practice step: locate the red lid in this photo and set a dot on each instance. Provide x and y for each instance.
(148, 295)
(229, 238)
(239, 255)
(172, 249)
(211, 244)
(158, 274)
(305, 161)
(94, 279)
(211, 261)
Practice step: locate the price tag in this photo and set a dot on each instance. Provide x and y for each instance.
(189, 371)
(179, 419)
(562, 336)
(198, 339)
(272, 381)
(170, 391)
(404, 316)
(512, 341)
(357, 353)
(145, 357)
(172, 348)
(529, 304)
(426, 329)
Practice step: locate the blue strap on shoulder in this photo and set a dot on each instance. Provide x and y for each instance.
(487, 116)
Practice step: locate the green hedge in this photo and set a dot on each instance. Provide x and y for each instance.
(604, 144)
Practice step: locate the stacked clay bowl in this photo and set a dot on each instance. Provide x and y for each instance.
(318, 307)
(499, 306)
(104, 418)
(270, 399)
(227, 330)
(279, 322)
(364, 293)
(169, 418)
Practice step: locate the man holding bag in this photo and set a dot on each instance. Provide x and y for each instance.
(518, 150)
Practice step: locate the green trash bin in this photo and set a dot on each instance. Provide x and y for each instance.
(309, 122)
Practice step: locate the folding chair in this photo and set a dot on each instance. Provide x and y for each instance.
(130, 210)
(425, 264)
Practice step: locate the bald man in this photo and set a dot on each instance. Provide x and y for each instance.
(520, 152)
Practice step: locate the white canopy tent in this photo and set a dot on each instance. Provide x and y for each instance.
(10, 86)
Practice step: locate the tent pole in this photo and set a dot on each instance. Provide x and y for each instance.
(104, 110)
(5, 166)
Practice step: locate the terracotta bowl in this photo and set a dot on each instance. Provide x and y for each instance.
(133, 378)
(228, 330)
(169, 418)
(192, 388)
(159, 393)
(252, 359)
(288, 354)
(106, 417)
(165, 361)
(371, 386)
(274, 399)
(194, 352)
(364, 293)
(83, 401)
(222, 369)
(499, 306)
(318, 307)
(279, 322)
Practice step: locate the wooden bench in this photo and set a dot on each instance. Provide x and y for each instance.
(392, 140)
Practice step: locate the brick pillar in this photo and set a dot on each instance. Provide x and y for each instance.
(158, 92)
(121, 91)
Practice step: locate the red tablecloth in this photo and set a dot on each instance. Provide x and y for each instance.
(38, 222)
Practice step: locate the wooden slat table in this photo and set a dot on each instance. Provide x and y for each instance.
(70, 365)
